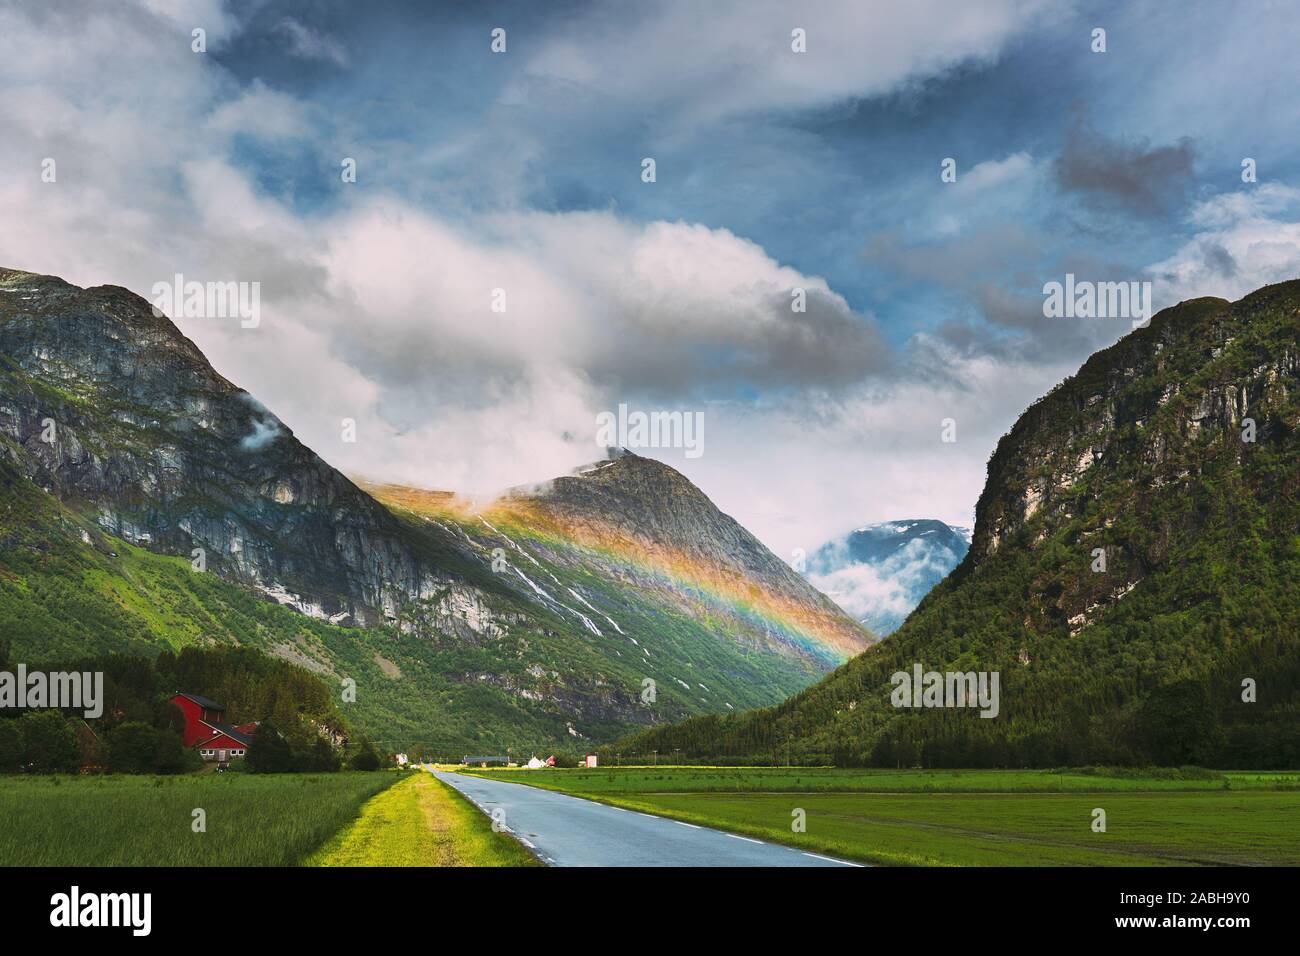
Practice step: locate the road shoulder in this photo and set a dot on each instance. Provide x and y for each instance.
(420, 822)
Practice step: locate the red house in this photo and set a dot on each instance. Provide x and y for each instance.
(206, 729)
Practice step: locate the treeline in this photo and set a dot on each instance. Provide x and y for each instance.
(1183, 692)
(140, 730)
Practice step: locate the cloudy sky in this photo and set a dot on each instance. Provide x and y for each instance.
(775, 170)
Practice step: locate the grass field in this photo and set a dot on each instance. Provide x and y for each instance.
(420, 822)
(610, 780)
(251, 819)
(972, 817)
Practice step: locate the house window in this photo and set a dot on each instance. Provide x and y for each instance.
(236, 753)
(205, 753)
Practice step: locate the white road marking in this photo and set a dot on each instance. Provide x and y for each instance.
(746, 839)
(531, 846)
(831, 859)
(691, 825)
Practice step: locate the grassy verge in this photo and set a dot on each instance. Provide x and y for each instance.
(972, 818)
(249, 819)
(420, 822)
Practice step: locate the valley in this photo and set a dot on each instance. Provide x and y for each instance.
(144, 518)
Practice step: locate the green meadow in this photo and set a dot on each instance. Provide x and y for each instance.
(251, 819)
(1183, 817)
(642, 779)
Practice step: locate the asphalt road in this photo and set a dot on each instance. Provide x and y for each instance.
(570, 831)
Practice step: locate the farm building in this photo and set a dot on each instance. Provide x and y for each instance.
(207, 731)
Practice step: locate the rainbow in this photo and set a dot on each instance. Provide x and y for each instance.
(819, 634)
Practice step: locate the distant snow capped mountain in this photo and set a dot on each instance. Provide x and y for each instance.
(880, 572)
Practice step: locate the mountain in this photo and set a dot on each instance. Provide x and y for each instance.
(1131, 578)
(168, 454)
(632, 551)
(880, 572)
(147, 502)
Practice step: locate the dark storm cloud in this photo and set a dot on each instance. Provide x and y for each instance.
(1125, 176)
(1218, 260)
(826, 346)
(957, 261)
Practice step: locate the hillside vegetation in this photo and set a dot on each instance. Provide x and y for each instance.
(124, 456)
(1141, 454)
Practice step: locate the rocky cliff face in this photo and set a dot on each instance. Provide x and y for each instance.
(1141, 421)
(105, 404)
(1092, 421)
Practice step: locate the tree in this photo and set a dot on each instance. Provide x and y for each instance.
(269, 752)
(11, 746)
(1176, 721)
(135, 747)
(322, 758)
(366, 757)
(48, 743)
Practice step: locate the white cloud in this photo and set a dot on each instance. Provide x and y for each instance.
(739, 51)
(799, 473)
(308, 43)
(887, 589)
(380, 312)
(187, 15)
(263, 113)
(1247, 239)
(865, 591)
(994, 191)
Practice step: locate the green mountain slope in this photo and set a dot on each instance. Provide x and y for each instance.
(716, 631)
(123, 453)
(1140, 454)
(68, 590)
